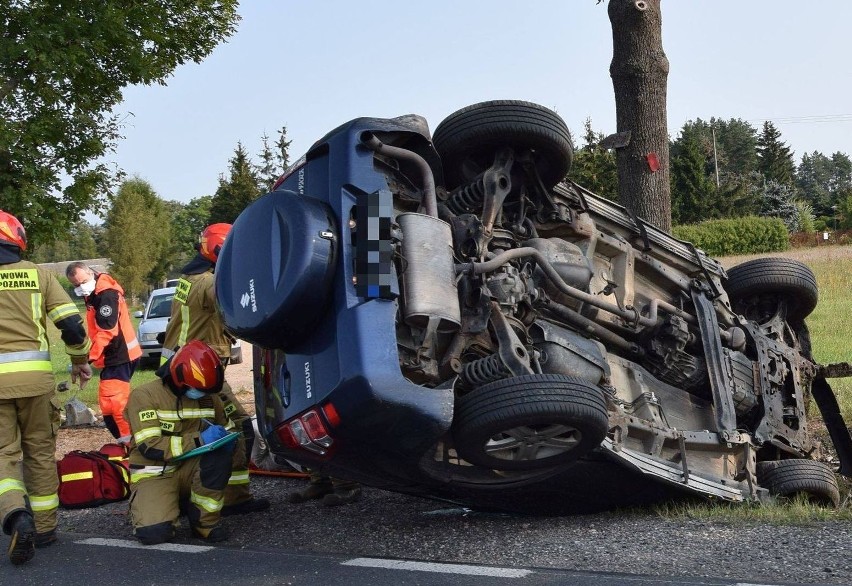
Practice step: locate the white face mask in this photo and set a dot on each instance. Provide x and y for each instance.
(84, 289)
(194, 394)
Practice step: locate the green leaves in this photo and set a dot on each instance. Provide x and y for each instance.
(63, 67)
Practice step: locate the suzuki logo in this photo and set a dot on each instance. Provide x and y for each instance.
(245, 299)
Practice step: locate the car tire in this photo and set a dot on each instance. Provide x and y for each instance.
(788, 478)
(475, 133)
(784, 277)
(529, 422)
(236, 357)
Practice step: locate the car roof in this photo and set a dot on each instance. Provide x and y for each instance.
(163, 291)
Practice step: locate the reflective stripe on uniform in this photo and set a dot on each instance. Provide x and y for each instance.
(27, 366)
(208, 504)
(23, 356)
(184, 326)
(239, 477)
(37, 303)
(132, 344)
(61, 312)
(44, 503)
(185, 414)
(8, 484)
(137, 474)
(77, 476)
(176, 444)
(79, 350)
(147, 433)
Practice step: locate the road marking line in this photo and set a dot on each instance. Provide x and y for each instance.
(432, 567)
(178, 547)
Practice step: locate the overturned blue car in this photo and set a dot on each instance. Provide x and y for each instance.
(443, 315)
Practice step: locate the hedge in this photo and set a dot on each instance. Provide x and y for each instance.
(749, 235)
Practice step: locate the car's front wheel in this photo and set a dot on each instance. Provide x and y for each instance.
(754, 283)
(530, 422)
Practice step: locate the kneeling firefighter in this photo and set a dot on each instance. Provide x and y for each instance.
(173, 414)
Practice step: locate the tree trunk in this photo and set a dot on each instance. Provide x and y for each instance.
(639, 72)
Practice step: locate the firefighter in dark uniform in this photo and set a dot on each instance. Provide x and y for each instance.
(195, 316)
(175, 413)
(115, 349)
(29, 411)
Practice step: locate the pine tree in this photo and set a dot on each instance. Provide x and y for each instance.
(779, 200)
(236, 192)
(594, 166)
(692, 189)
(775, 159)
(273, 162)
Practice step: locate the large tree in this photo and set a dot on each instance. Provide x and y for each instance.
(63, 66)
(236, 191)
(138, 235)
(639, 72)
(188, 220)
(775, 159)
(693, 192)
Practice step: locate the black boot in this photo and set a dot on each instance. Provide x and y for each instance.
(22, 530)
(253, 505)
(342, 496)
(315, 490)
(46, 539)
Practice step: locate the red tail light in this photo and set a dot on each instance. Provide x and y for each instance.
(308, 431)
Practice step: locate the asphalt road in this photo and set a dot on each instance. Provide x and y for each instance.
(308, 543)
(81, 559)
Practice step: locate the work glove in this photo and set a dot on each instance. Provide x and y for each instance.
(81, 372)
(212, 433)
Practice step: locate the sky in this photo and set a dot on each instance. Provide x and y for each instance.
(313, 65)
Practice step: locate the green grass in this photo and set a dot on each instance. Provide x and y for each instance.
(797, 511)
(61, 362)
(831, 323)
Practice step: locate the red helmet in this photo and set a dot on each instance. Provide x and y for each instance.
(196, 365)
(211, 240)
(12, 231)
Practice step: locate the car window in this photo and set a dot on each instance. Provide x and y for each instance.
(161, 306)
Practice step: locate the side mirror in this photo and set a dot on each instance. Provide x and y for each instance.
(137, 314)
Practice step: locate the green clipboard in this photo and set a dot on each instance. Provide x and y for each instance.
(207, 447)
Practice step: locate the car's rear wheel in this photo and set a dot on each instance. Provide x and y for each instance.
(789, 478)
(766, 279)
(529, 422)
(468, 139)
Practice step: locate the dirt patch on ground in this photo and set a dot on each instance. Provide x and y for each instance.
(89, 438)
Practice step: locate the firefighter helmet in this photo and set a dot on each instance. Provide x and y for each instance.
(197, 366)
(12, 231)
(211, 240)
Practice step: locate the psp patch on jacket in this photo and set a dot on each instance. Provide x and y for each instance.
(105, 310)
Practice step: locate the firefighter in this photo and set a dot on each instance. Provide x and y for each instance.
(115, 349)
(175, 413)
(29, 412)
(196, 317)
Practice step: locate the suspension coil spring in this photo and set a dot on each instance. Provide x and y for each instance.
(469, 198)
(485, 370)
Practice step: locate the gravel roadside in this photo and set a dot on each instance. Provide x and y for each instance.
(384, 524)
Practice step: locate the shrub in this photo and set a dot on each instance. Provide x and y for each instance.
(749, 235)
